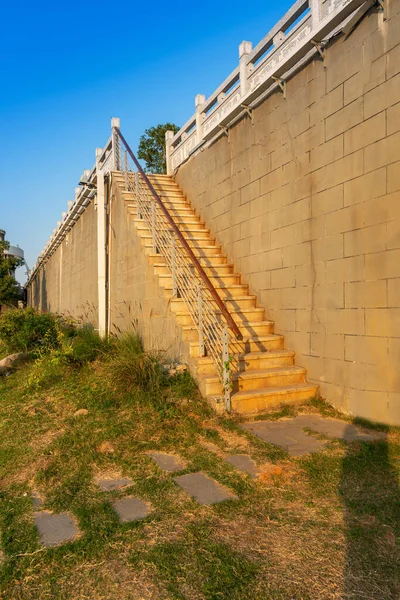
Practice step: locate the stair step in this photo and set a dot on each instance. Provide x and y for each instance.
(225, 278)
(257, 328)
(253, 401)
(249, 361)
(239, 302)
(262, 343)
(190, 236)
(245, 315)
(161, 268)
(256, 379)
(208, 249)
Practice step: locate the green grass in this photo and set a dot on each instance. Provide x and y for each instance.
(326, 526)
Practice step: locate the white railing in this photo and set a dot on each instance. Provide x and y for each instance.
(217, 332)
(297, 36)
(106, 161)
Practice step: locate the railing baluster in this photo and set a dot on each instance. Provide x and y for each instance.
(227, 378)
(200, 309)
(126, 168)
(153, 226)
(173, 266)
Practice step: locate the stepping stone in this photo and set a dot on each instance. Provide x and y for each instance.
(109, 485)
(130, 509)
(167, 462)
(37, 501)
(286, 435)
(244, 463)
(204, 489)
(55, 529)
(338, 429)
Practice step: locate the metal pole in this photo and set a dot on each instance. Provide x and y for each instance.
(227, 379)
(200, 320)
(126, 169)
(153, 225)
(173, 265)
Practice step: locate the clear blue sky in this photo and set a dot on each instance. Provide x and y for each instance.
(67, 68)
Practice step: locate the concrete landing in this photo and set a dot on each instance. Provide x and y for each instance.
(130, 509)
(289, 434)
(167, 462)
(244, 463)
(204, 489)
(55, 529)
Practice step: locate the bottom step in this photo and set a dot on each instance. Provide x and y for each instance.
(255, 401)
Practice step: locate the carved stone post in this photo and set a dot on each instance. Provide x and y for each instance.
(199, 103)
(168, 150)
(245, 49)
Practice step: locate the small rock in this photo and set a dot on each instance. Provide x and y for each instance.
(106, 448)
(181, 368)
(81, 412)
(13, 360)
(172, 372)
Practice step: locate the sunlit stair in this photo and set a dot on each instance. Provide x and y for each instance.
(267, 375)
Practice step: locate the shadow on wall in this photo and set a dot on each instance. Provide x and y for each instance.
(38, 294)
(370, 491)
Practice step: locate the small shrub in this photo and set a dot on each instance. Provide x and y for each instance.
(27, 330)
(129, 367)
(84, 345)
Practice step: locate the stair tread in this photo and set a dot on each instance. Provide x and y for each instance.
(249, 355)
(269, 391)
(240, 324)
(268, 371)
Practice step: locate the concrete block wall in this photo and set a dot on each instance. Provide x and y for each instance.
(67, 284)
(306, 202)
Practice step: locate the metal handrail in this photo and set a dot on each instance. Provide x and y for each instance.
(226, 314)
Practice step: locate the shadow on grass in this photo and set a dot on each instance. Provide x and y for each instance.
(370, 491)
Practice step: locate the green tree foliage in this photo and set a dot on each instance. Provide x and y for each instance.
(10, 290)
(152, 147)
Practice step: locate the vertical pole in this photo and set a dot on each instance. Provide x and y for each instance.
(315, 12)
(126, 169)
(226, 369)
(153, 225)
(168, 151)
(245, 49)
(173, 266)
(199, 103)
(116, 146)
(101, 246)
(200, 309)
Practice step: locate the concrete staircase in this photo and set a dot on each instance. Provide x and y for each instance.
(267, 375)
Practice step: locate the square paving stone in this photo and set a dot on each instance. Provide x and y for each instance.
(286, 435)
(244, 463)
(108, 485)
(130, 509)
(55, 529)
(338, 429)
(204, 489)
(167, 462)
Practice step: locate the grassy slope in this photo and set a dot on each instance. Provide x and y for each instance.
(324, 526)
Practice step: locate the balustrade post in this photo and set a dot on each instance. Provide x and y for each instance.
(227, 377)
(116, 144)
(316, 12)
(168, 151)
(199, 103)
(200, 309)
(245, 69)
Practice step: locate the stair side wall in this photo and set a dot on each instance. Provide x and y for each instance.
(137, 302)
(306, 203)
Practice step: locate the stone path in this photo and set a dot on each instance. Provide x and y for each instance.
(289, 434)
(130, 509)
(244, 463)
(109, 485)
(204, 489)
(55, 529)
(167, 462)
